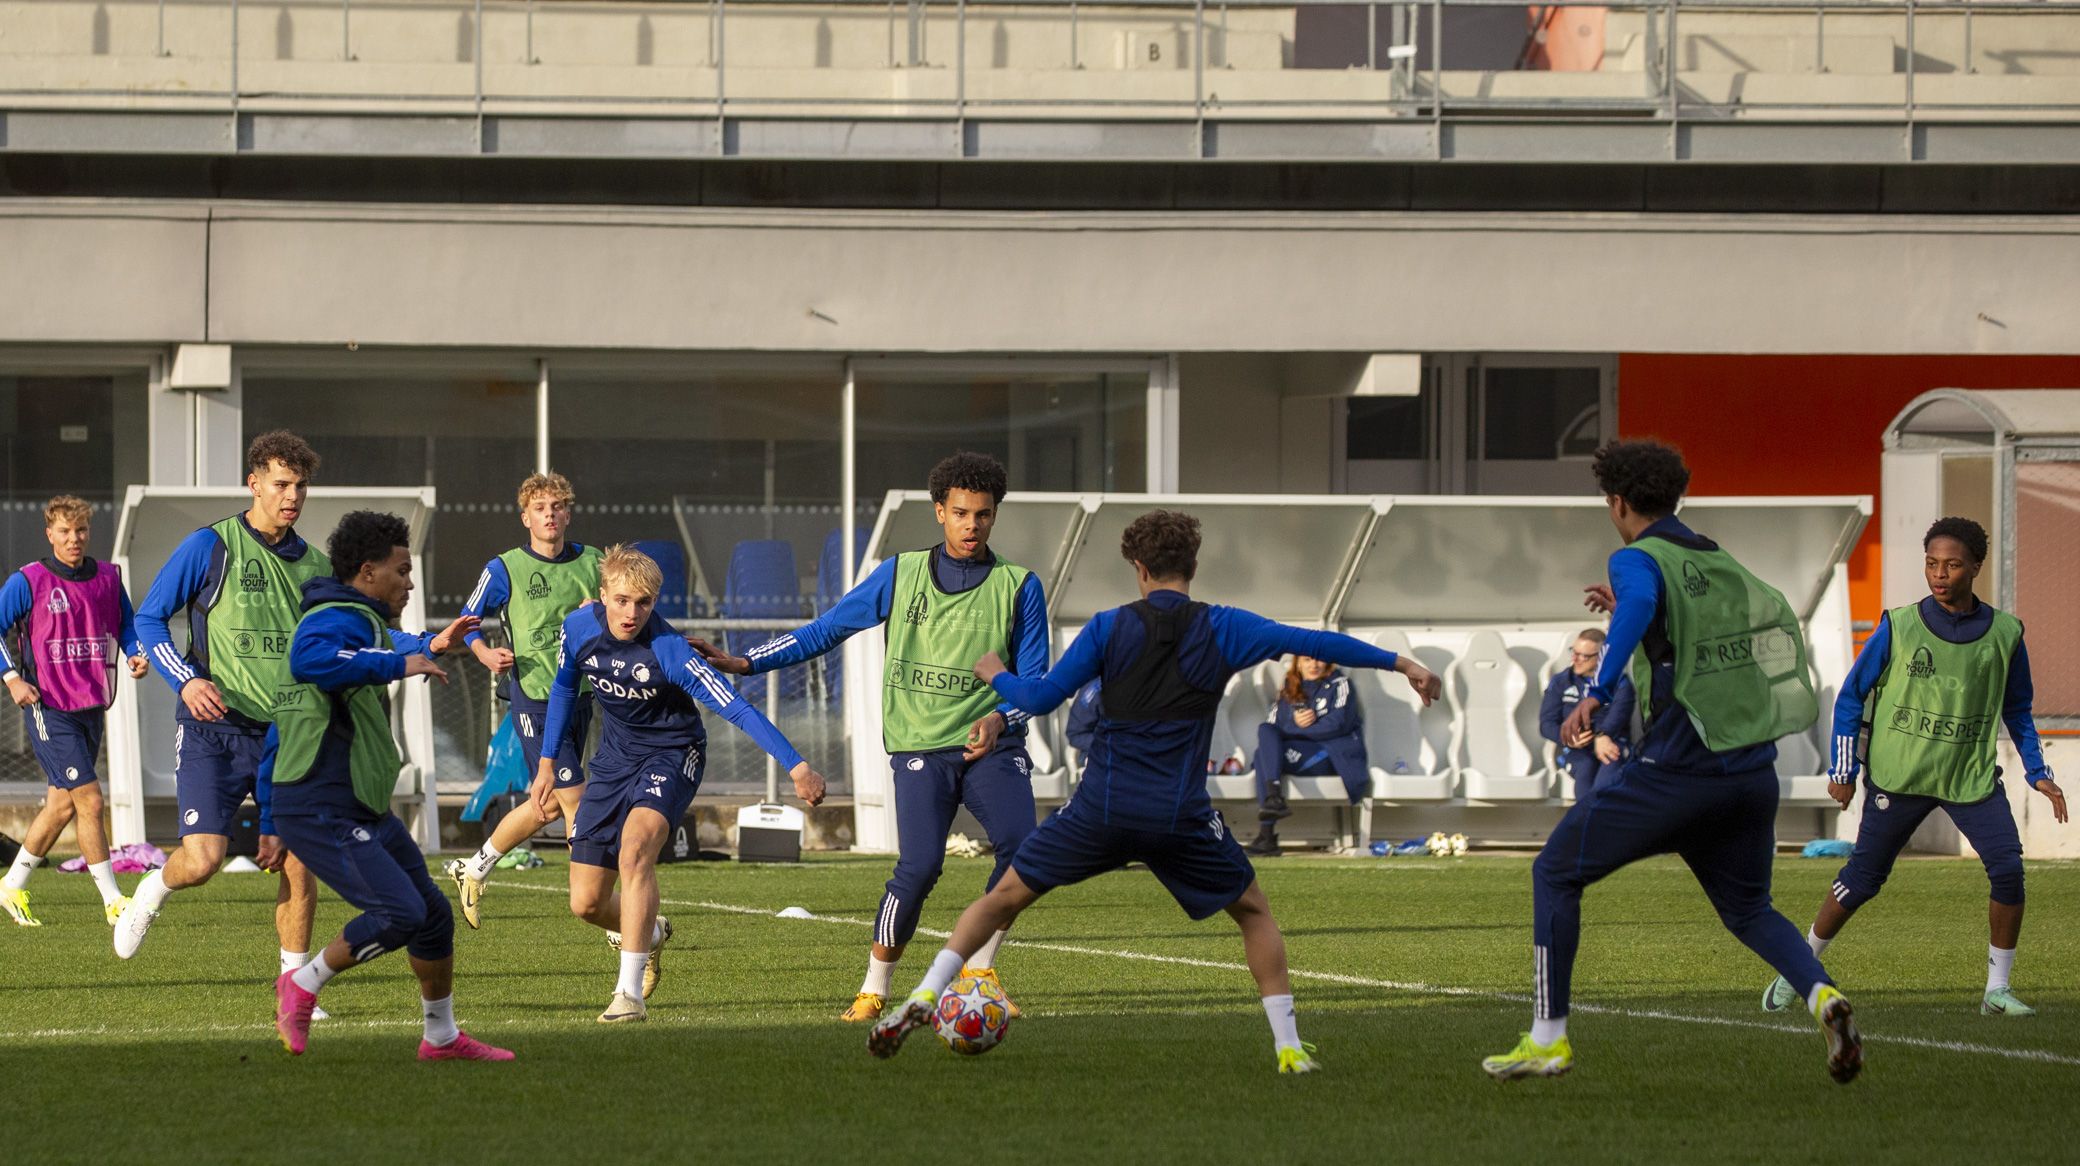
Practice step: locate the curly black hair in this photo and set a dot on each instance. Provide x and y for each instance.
(1164, 541)
(280, 445)
(1648, 475)
(363, 537)
(1964, 530)
(968, 471)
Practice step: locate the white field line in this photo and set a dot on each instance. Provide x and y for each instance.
(1949, 1046)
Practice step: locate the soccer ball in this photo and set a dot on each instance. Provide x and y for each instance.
(1458, 842)
(972, 1016)
(1439, 845)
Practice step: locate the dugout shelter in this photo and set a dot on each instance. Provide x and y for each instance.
(1486, 591)
(2009, 460)
(141, 726)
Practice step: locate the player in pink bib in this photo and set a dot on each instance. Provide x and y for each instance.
(65, 616)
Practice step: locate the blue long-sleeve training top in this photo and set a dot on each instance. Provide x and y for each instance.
(647, 690)
(17, 597)
(870, 603)
(336, 650)
(1670, 742)
(192, 577)
(2016, 702)
(1335, 705)
(1152, 774)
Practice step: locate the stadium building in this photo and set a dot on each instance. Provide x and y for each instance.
(741, 269)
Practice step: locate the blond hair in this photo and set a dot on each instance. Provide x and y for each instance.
(78, 511)
(555, 485)
(623, 563)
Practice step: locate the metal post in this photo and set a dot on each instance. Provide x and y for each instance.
(1819, 38)
(1969, 67)
(960, 76)
(162, 29)
(848, 496)
(541, 417)
(1198, 78)
(1437, 77)
(1675, 61)
(891, 34)
(1075, 45)
(773, 715)
(234, 65)
(1910, 75)
(721, 42)
(477, 53)
(1371, 36)
(346, 30)
(530, 34)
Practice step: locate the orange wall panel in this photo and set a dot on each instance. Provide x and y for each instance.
(1803, 424)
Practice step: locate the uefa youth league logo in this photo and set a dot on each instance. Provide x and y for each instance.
(59, 603)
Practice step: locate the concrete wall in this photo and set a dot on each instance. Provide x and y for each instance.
(834, 281)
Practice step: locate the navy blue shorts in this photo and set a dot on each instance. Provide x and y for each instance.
(664, 781)
(213, 772)
(1203, 869)
(530, 715)
(377, 867)
(67, 745)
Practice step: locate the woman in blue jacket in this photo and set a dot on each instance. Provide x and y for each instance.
(1315, 728)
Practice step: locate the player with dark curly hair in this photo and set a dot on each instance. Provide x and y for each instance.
(1165, 662)
(1719, 665)
(239, 581)
(335, 770)
(951, 741)
(1929, 685)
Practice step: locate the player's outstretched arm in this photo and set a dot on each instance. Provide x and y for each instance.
(490, 594)
(1040, 695)
(336, 650)
(2017, 713)
(1245, 638)
(865, 606)
(697, 679)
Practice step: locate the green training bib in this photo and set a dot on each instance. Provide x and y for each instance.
(930, 694)
(252, 619)
(540, 596)
(1740, 659)
(372, 755)
(1937, 707)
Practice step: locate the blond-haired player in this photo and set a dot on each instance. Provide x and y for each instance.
(648, 683)
(532, 589)
(63, 611)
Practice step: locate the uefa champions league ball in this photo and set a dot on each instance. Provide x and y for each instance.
(972, 1017)
(1459, 844)
(1438, 844)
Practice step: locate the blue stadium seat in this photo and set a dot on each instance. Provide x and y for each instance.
(676, 602)
(761, 584)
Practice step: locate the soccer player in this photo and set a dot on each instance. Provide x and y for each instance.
(532, 589)
(240, 581)
(950, 740)
(335, 769)
(1165, 662)
(62, 612)
(649, 685)
(1721, 672)
(1931, 747)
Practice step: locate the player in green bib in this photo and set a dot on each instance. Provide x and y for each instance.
(1930, 685)
(239, 584)
(531, 589)
(951, 741)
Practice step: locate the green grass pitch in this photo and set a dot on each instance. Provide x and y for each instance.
(1409, 970)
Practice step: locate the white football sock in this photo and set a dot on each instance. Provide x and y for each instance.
(631, 981)
(879, 973)
(1545, 1032)
(484, 860)
(105, 881)
(440, 1021)
(1285, 1027)
(1998, 964)
(18, 874)
(151, 893)
(313, 975)
(1818, 944)
(987, 957)
(292, 960)
(945, 966)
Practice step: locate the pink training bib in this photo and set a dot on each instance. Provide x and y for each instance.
(71, 627)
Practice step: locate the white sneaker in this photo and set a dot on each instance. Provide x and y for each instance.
(131, 929)
(623, 1009)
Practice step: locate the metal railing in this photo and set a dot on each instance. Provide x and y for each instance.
(1420, 85)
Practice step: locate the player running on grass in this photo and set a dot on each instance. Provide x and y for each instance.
(532, 589)
(1936, 677)
(335, 769)
(649, 685)
(950, 740)
(1165, 661)
(240, 582)
(62, 612)
(1721, 674)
